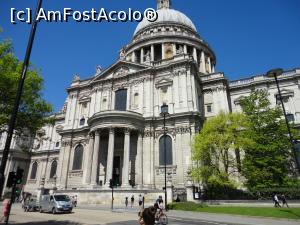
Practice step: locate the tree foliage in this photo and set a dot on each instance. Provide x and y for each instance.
(268, 163)
(33, 110)
(254, 143)
(217, 148)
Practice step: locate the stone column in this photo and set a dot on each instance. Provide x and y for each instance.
(142, 55)
(65, 164)
(89, 159)
(139, 162)
(195, 54)
(174, 49)
(67, 121)
(184, 49)
(209, 65)
(202, 64)
(152, 53)
(213, 68)
(125, 174)
(110, 156)
(95, 162)
(162, 51)
(189, 191)
(133, 59)
(169, 192)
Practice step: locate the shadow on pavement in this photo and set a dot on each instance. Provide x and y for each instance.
(49, 222)
(131, 222)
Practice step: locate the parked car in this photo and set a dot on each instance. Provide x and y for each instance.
(30, 205)
(55, 204)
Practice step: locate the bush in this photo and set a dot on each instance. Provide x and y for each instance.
(185, 206)
(221, 188)
(268, 193)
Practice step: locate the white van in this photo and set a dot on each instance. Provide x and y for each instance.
(55, 203)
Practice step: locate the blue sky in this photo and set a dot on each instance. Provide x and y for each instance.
(248, 37)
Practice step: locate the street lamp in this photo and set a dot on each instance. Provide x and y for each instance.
(275, 73)
(164, 112)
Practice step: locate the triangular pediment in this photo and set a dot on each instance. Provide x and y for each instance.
(84, 98)
(119, 69)
(164, 82)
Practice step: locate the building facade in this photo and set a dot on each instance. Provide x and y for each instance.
(111, 125)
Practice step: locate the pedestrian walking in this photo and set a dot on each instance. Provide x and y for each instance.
(276, 201)
(126, 202)
(75, 200)
(284, 202)
(143, 201)
(5, 207)
(140, 201)
(132, 201)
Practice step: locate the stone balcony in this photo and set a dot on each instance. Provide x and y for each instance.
(114, 118)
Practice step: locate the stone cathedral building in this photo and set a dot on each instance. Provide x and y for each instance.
(111, 128)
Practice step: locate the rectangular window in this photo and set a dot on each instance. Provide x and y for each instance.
(209, 108)
(285, 99)
(121, 100)
(290, 117)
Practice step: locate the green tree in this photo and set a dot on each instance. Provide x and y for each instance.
(267, 163)
(33, 110)
(217, 148)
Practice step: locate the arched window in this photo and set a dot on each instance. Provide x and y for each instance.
(104, 104)
(33, 171)
(53, 169)
(121, 100)
(169, 160)
(136, 99)
(77, 160)
(82, 121)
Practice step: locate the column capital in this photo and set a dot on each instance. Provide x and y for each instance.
(111, 130)
(91, 135)
(127, 130)
(97, 132)
(140, 133)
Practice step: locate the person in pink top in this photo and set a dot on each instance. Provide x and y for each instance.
(5, 208)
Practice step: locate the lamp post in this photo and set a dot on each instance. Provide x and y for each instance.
(275, 73)
(13, 118)
(164, 111)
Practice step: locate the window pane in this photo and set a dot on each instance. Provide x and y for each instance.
(77, 161)
(121, 99)
(33, 170)
(82, 122)
(169, 160)
(53, 169)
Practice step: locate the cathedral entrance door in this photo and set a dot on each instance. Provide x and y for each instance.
(116, 171)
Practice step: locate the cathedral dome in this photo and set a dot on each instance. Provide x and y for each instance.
(166, 15)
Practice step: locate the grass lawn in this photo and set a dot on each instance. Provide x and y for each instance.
(290, 213)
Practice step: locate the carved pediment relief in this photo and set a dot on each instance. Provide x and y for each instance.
(122, 71)
(164, 83)
(119, 68)
(84, 98)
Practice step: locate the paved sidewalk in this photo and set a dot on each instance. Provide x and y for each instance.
(214, 217)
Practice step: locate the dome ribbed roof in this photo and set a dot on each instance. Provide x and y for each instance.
(167, 15)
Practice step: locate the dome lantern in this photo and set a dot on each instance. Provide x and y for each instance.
(164, 4)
